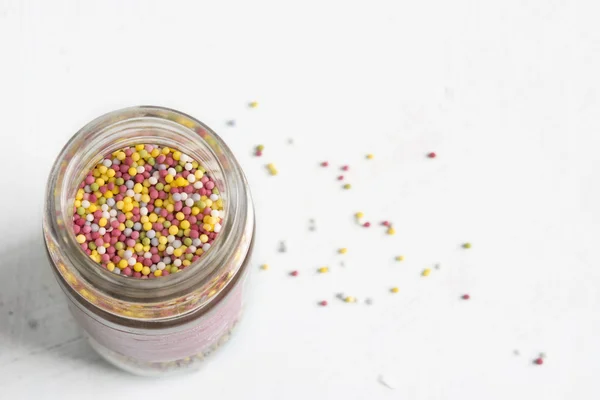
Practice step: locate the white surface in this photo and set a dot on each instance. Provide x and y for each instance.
(505, 92)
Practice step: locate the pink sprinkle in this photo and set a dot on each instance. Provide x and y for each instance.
(367, 224)
(341, 178)
(294, 273)
(324, 164)
(432, 155)
(345, 168)
(137, 275)
(127, 271)
(210, 185)
(165, 272)
(89, 179)
(386, 223)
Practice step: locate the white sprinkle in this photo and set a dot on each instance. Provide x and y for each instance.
(117, 271)
(152, 180)
(141, 169)
(129, 184)
(198, 185)
(143, 211)
(95, 227)
(170, 250)
(104, 207)
(170, 238)
(188, 166)
(205, 246)
(176, 243)
(89, 217)
(112, 213)
(102, 231)
(184, 158)
(111, 202)
(147, 255)
(85, 204)
(177, 197)
(131, 261)
(189, 202)
(116, 161)
(172, 172)
(167, 260)
(217, 228)
(196, 197)
(177, 263)
(184, 196)
(191, 178)
(105, 214)
(152, 268)
(191, 249)
(161, 265)
(137, 196)
(214, 213)
(127, 254)
(107, 163)
(129, 193)
(214, 197)
(151, 234)
(196, 242)
(101, 250)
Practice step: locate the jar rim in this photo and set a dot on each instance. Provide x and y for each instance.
(180, 293)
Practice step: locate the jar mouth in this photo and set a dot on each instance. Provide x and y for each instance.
(157, 126)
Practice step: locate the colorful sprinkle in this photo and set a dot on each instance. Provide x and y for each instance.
(391, 231)
(432, 155)
(323, 270)
(272, 169)
(343, 250)
(399, 258)
(253, 104)
(466, 245)
(367, 224)
(539, 361)
(426, 272)
(323, 303)
(466, 297)
(370, 156)
(347, 186)
(349, 299)
(264, 267)
(324, 164)
(359, 215)
(340, 178)
(145, 209)
(345, 168)
(394, 290)
(294, 273)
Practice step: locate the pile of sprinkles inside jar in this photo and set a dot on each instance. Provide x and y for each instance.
(147, 211)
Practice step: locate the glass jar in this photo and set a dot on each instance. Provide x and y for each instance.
(151, 326)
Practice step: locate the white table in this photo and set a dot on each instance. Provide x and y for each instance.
(506, 93)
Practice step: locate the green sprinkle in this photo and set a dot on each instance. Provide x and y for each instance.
(119, 181)
(159, 186)
(146, 241)
(129, 224)
(187, 242)
(92, 246)
(166, 224)
(94, 186)
(80, 210)
(119, 246)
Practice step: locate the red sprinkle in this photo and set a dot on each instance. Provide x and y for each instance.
(323, 303)
(345, 168)
(386, 223)
(367, 224)
(466, 297)
(431, 155)
(341, 178)
(294, 273)
(324, 164)
(539, 361)
(258, 153)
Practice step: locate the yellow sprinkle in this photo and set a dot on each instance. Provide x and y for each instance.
(260, 147)
(102, 222)
(391, 231)
(145, 271)
(264, 266)
(180, 216)
(147, 226)
(110, 266)
(349, 299)
(323, 270)
(399, 258)
(253, 104)
(137, 267)
(426, 272)
(394, 290)
(467, 245)
(173, 230)
(158, 272)
(272, 169)
(80, 239)
(347, 186)
(359, 215)
(343, 250)
(177, 252)
(369, 156)
(185, 224)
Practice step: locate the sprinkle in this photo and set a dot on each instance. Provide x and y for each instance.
(539, 361)
(323, 303)
(542, 355)
(466, 297)
(294, 273)
(340, 178)
(323, 270)
(324, 164)
(370, 156)
(426, 272)
(394, 290)
(264, 267)
(349, 299)
(253, 104)
(367, 224)
(391, 231)
(343, 250)
(347, 186)
(399, 258)
(432, 155)
(272, 169)
(231, 122)
(466, 245)
(258, 153)
(345, 168)
(260, 147)
(368, 301)
(359, 215)
(282, 247)
(386, 223)
(311, 225)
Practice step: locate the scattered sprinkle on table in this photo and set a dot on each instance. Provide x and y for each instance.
(147, 211)
(465, 297)
(294, 273)
(426, 272)
(323, 270)
(324, 164)
(347, 186)
(343, 250)
(264, 267)
(391, 231)
(386, 223)
(359, 215)
(370, 156)
(253, 104)
(367, 224)
(466, 245)
(399, 258)
(323, 303)
(272, 169)
(394, 290)
(432, 155)
(539, 361)
(349, 299)
(231, 122)
(340, 178)
(345, 168)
